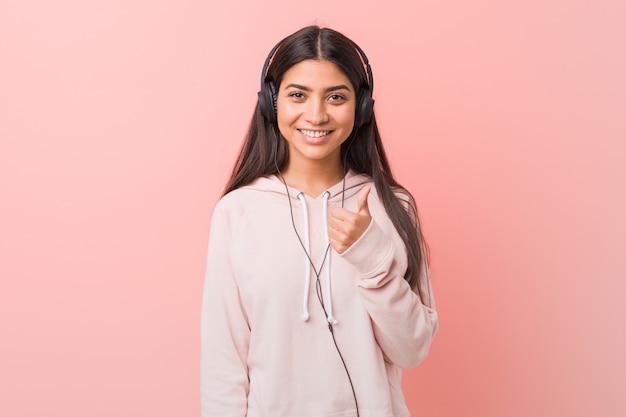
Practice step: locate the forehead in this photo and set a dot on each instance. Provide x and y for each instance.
(315, 74)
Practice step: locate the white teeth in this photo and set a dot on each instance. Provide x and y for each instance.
(314, 133)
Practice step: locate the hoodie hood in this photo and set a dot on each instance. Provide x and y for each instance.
(344, 190)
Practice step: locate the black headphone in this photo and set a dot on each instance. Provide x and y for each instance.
(364, 105)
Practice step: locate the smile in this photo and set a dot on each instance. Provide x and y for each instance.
(315, 133)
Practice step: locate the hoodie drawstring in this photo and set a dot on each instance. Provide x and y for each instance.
(330, 317)
(307, 277)
(307, 274)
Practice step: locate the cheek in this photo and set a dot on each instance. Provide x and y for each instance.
(284, 114)
(346, 116)
(285, 118)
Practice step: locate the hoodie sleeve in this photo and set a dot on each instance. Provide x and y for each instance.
(403, 326)
(224, 330)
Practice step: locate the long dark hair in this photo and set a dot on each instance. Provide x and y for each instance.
(363, 152)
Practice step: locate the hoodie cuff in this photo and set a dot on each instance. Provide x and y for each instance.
(372, 253)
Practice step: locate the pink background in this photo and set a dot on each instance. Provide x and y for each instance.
(119, 122)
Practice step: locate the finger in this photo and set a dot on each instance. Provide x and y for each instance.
(337, 244)
(363, 207)
(341, 214)
(335, 224)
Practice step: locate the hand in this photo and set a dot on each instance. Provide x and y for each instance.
(346, 227)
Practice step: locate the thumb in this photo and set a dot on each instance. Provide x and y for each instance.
(363, 207)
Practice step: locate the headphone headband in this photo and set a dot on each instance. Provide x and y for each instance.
(368, 68)
(268, 60)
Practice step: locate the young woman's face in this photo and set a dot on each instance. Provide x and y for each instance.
(315, 111)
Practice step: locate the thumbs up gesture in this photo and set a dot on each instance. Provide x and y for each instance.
(346, 227)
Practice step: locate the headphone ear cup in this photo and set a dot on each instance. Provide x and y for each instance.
(267, 101)
(365, 108)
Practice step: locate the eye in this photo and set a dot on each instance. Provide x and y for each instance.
(336, 97)
(297, 95)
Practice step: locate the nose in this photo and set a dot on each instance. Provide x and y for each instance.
(316, 112)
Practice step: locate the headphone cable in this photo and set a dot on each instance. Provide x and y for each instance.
(318, 285)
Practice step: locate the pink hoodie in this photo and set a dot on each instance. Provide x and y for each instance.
(266, 346)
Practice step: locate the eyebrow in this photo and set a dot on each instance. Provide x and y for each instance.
(328, 90)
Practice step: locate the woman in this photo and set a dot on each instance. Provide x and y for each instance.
(317, 290)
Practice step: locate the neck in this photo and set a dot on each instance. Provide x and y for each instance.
(312, 179)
